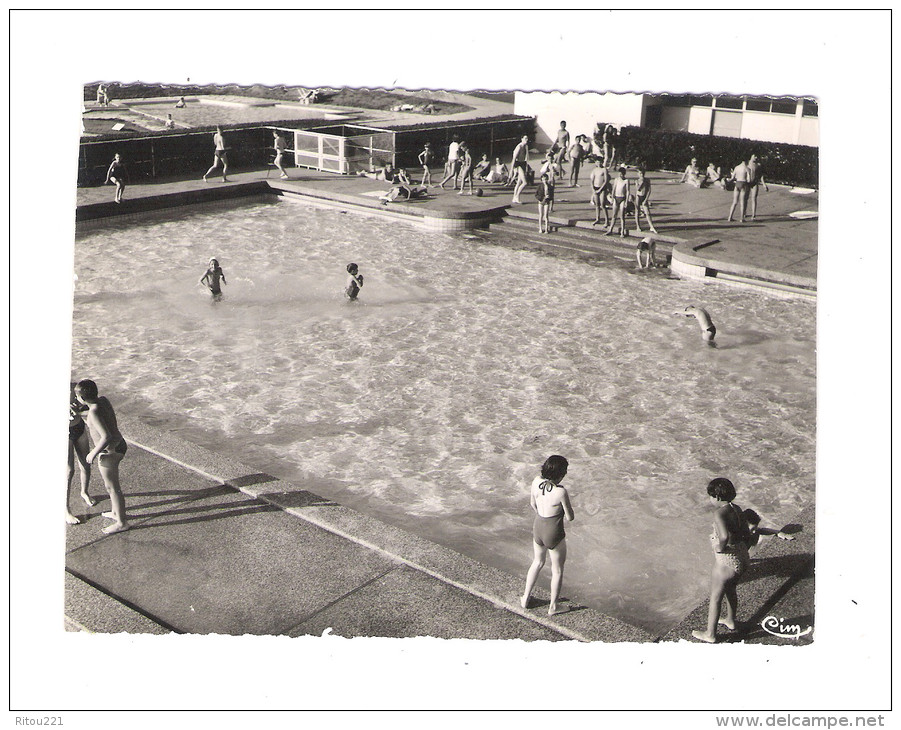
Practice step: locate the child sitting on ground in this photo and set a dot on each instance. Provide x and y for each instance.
(354, 282)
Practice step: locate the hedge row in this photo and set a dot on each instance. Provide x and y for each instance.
(788, 164)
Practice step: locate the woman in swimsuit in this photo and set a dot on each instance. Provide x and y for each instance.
(116, 175)
(211, 278)
(109, 449)
(730, 548)
(551, 503)
(79, 446)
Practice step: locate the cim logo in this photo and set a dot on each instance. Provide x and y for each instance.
(774, 626)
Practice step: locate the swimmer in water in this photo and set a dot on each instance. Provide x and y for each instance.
(551, 504)
(211, 278)
(708, 331)
(354, 282)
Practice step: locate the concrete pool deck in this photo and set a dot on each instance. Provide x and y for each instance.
(216, 547)
(777, 251)
(239, 551)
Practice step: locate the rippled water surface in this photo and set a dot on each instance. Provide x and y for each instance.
(433, 401)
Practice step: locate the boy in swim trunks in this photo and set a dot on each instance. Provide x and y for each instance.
(740, 176)
(600, 180)
(109, 449)
(220, 154)
(551, 504)
(620, 190)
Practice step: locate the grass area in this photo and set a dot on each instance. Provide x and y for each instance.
(362, 98)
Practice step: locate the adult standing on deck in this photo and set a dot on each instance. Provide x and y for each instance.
(576, 153)
(562, 147)
(452, 169)
(219, 155)
(551, 503)
(740, 194)
(642, 195)
(518, 168)
(280, 147)
(755, 179)
(116, 175)
(730, 547)
(609, 145)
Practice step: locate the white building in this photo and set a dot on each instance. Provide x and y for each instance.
(793, 121)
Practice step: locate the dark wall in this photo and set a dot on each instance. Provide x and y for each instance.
(178, 153)
(788, 164)
(494, 138)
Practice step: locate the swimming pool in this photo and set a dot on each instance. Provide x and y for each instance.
(432, 402)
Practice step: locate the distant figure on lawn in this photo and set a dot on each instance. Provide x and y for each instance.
(180, 104)
(220, 155)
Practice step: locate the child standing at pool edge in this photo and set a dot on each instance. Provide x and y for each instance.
(354, 282)
(551, 503)
(109, 449)
(211, 278)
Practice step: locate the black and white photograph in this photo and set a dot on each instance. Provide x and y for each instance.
(405, 384)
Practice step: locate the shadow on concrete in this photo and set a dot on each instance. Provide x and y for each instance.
(204, 514)
(782, 566)
(250, 479)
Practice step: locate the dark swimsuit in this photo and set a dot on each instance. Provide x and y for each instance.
(548, 531)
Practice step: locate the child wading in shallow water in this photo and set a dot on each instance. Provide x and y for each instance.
(354, 282)
(211, 278)
(109, 449)
(551, 503)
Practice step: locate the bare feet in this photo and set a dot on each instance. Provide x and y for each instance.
(88, 499)
(72, 519)
(553, 610)
(524, 601)
(110, 516)
(115, 527)
(704, 636)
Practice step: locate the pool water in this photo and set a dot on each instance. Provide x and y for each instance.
(433, 400)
